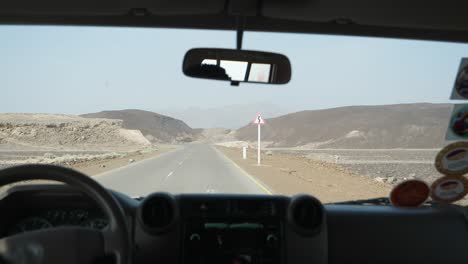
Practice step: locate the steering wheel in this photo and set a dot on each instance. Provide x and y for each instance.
(67, 244)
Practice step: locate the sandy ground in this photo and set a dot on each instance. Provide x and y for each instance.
(99, 166)
(291, 174)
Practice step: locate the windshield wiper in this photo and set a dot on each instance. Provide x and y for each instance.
(373, 201)
(385, 201)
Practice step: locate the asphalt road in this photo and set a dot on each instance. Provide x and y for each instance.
(194, 168)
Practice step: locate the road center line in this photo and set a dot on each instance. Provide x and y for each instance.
(172, 172)
(169, 175)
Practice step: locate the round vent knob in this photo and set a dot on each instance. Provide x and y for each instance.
(158, 212)
(305, 214)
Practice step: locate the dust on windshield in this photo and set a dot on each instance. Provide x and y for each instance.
(359, 116)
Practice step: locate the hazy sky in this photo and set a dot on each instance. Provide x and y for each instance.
(86, 69)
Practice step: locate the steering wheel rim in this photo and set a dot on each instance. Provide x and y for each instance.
(116, 238)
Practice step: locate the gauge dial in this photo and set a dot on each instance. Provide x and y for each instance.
(64, 217)
(55, 216)
(97, 223)
(79, 215)
(31, 224)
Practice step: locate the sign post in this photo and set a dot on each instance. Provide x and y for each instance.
(259, 121)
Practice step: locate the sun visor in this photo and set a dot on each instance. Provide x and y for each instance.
(62, 11)
(431, 14)
(162, 7)
(184, 7)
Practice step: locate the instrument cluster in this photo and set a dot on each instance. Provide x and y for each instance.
(52, 218)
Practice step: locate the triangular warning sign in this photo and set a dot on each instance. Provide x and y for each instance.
(259, 119)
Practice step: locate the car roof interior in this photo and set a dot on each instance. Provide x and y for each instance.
(425, 20)
(351, 229)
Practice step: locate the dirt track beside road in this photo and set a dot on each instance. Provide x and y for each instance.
(292, 174)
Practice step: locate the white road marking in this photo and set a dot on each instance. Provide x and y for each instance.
(210, 191)
(169, 175)
(180, 163)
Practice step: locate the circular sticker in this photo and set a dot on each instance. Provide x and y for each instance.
(449, 189)
(461, 84)
(453, 159)
(410, 193)
(459, 122)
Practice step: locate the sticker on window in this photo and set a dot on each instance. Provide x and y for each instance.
(453, 159)
(458, 125)
(410, 193)
(460, 87)
(449, 189)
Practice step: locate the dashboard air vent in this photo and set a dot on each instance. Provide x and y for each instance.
(305, 214)
(158, 212)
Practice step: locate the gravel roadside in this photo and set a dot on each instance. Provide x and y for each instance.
(383, 165)
(292, 174)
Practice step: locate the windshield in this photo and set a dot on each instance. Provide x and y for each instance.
(358, 116)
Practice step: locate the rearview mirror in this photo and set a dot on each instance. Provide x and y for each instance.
(237, 66)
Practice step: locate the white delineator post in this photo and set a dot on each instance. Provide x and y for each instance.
(244, 152)
(258, 147)
(259, 121)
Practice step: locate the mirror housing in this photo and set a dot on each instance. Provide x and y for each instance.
(237, 66)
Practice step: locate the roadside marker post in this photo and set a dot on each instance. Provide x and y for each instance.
(259, 122)
(258, 147)
(244, 152)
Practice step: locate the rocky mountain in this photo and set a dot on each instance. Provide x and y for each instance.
(420, 125)
(155, 127)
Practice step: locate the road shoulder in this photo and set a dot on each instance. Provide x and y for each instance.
(289, 174)
(264, 187)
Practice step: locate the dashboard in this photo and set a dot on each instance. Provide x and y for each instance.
(250, 229)
(227, 230)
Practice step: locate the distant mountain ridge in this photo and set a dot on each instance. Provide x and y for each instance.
(228, 116)
(154, 126)
(420, 125)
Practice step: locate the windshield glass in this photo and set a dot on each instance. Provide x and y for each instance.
(358, 116)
